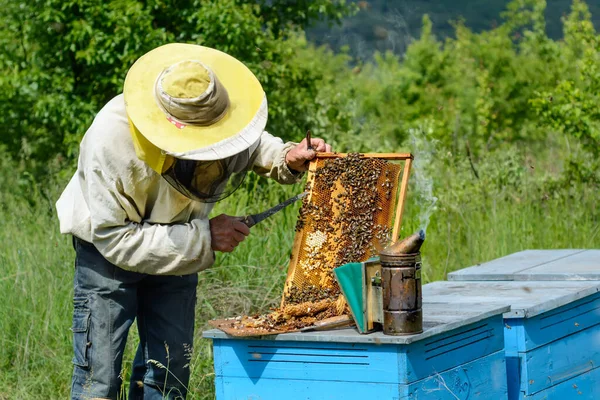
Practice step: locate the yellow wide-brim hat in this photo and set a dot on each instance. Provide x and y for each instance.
(158, 135)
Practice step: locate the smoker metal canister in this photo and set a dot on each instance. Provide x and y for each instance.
(402, 299)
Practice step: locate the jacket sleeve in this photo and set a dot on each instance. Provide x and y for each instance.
(269, 159)
(124, 239)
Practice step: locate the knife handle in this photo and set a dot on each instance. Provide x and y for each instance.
(248, 220)
(308, 141)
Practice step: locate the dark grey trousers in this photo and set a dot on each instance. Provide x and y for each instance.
(107, 299)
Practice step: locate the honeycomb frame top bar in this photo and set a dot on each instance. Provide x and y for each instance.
(383, 156)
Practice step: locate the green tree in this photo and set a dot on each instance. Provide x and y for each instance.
(572, 105)
(62, 60)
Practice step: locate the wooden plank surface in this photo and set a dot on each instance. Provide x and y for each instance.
(560, 360)
(505, 268)
(576, 267)
(482, 379)
(382, 156)
(526, 299)
(437, 319)
(582, 387)
(358, 362)
(525, 334)
(401, 199)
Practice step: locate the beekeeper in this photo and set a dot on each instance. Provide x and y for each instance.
(189, 124)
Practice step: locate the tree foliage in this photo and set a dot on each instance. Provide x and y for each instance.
(62, 60)
(476, 92)
(484, 92)
(571, 106)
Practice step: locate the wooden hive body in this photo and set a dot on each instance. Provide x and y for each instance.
(552, 333)
(459, 355)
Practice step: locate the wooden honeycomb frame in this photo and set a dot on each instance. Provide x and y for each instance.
(390, 212)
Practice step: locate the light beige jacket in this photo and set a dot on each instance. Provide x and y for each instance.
(131, 214)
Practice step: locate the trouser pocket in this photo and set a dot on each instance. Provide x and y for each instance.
(81, 331)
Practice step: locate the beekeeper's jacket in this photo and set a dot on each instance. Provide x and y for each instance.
(131, 214)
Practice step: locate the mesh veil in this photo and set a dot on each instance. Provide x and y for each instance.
(208, 181)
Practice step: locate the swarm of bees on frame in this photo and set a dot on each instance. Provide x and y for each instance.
(344, 219)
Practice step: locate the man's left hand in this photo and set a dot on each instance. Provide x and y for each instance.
(298, 157)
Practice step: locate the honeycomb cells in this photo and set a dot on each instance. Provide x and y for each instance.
(346, 217)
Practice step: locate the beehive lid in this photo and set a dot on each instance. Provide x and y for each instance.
(536, 265)
(526, 299)
(437, 319)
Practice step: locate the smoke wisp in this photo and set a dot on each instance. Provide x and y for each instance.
(423, 146)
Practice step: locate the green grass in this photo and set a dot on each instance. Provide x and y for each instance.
(473, 223)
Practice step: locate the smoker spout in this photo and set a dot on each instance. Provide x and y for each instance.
(409, 245)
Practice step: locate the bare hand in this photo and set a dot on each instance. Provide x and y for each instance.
(297, 158)
(227, 232)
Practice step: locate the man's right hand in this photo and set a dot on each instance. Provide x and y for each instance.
(227, 232)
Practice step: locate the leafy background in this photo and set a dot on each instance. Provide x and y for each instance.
(497, 100)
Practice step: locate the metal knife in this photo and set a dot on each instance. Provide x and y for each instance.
(254, 219)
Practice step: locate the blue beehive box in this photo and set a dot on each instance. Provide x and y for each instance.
(552, 333)
(459, 355)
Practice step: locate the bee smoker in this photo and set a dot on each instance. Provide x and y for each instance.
(401, 286)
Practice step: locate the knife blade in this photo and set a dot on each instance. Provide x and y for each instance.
(254, 219)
